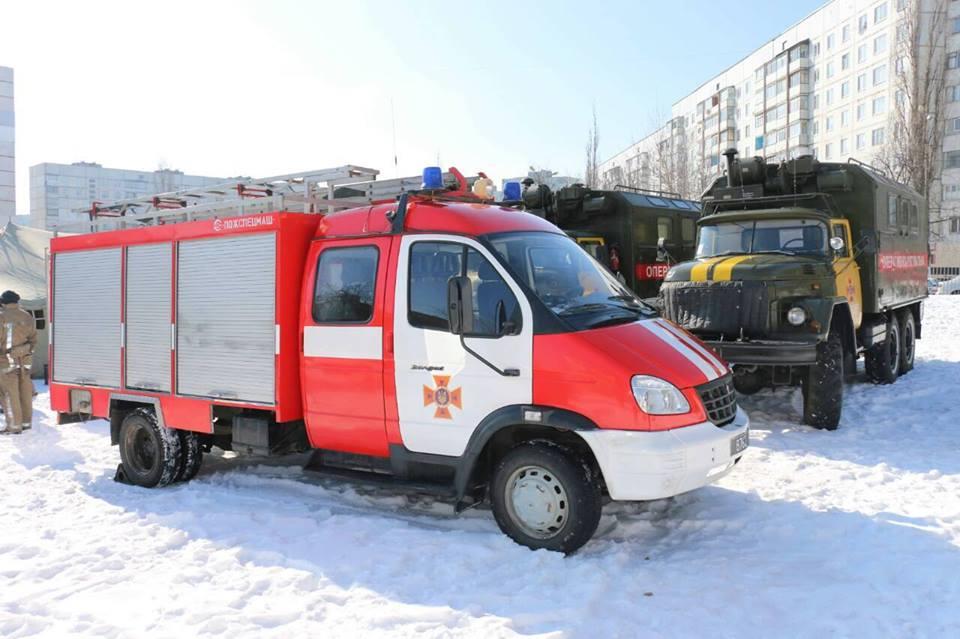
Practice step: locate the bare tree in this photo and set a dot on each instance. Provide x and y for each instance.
(915, 134)
(591, 175)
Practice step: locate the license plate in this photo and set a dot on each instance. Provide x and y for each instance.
(739, 443)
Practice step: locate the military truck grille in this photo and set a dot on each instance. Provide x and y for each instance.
(718, 308)
(720, 400)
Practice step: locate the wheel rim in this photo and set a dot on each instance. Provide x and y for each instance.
(536, 501)
(893, 346)
(908, 343)
(143, 450)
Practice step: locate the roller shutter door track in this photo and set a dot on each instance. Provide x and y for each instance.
(226, 318)
(86, 326)
(149, 287)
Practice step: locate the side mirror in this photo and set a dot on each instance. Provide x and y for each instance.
(868, 242)
(837, 244)
(460, 305)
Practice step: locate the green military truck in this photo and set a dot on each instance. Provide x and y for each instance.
(802, 267)
(622, 228)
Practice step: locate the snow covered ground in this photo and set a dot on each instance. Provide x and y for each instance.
(854, 533)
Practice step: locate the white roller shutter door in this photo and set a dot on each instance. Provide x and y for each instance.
(86, 321)
(149, 277)
(226, 320)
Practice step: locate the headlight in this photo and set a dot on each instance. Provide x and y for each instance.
(796, 316)
(657, 397)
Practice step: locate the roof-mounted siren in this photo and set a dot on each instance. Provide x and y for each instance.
(432, 178)
(511, 192)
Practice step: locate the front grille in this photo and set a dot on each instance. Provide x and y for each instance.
(718, 308)
(720, 400)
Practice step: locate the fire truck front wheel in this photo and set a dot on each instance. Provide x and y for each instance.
(544, 496)
(150, 453)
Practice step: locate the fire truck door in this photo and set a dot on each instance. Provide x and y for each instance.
(342, 364)
(443, 391)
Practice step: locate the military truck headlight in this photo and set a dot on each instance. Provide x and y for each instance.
(797, 315)
(657, 397)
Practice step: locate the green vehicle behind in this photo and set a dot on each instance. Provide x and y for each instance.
(801, 268)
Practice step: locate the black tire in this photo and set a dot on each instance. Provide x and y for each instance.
(571, 497)
(150, 453)
(908, 340)
(823, 386)
(191, 456)
(883, 360)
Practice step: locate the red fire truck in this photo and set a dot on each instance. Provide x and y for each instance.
(434, 340)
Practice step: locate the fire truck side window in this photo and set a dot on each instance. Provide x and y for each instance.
(346, 279)
(432, 264)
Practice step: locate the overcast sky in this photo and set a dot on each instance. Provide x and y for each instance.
(262, 88)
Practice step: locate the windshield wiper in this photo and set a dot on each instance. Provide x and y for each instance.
(634, 303)
(596, 306)
(611, 321)
(707, 257)
(776, 252)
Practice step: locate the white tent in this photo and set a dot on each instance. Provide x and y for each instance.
(23, 268)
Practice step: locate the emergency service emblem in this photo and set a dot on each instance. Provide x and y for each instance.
(442, 396)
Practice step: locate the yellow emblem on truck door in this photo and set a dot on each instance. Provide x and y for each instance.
(443, 396)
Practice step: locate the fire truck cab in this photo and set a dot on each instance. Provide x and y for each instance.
(441, 341)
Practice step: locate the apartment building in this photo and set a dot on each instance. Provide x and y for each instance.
(60, 193)
(828, 86)
(8, 192)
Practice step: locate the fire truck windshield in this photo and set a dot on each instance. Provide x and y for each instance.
(795, 236)
(568, 280)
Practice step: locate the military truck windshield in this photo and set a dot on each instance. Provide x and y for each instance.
(787, 236)
(568, 280)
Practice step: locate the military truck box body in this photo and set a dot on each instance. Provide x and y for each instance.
(622, 228)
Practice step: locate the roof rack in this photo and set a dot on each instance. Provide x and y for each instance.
(875, 169)
(319, 191)
(655, 192)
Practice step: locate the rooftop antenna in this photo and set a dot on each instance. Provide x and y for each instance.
(393, 124)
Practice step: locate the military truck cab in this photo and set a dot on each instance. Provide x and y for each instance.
(623, 228)
(800, 269)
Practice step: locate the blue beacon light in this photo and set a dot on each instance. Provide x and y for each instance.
(432, 178)
(511, 191)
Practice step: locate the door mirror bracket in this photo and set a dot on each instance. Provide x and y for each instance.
(460, 316)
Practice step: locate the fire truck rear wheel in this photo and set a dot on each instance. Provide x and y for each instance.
(191, 456)
(149, 452)
(908, 340)
(883, 360)
(544, 496)
(823, 386)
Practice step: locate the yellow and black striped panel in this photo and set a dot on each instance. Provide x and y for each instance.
(718, 269)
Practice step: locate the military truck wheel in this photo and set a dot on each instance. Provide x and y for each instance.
(545, 497)
(908, 340)
(823, 386)
(150, 453)
(883, 360)
(191, 456)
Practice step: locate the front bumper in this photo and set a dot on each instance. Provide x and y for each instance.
(645, 465)
(780, 353)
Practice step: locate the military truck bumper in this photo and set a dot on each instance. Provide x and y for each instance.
(767, 352)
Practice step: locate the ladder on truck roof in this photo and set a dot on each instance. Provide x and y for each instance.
(320, 191)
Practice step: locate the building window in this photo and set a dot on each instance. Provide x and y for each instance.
(862, 24)
(830, 42)
(845, 90)
(953, 60)
(845, 62)
(879, 105)
(953, 126)
(880, 13)
(844, 146)
(861, 140)
(758, 143)
(952, 94)
(956, 25)
(829, 123)
(829, 97)
(827, 151)
(861, 83)
(955, 224)
(844, 118)
(880, 44)
(952, 159)
(829, 69)
(876, 137)
(816, 49)
(845, 33)
(880, 75)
